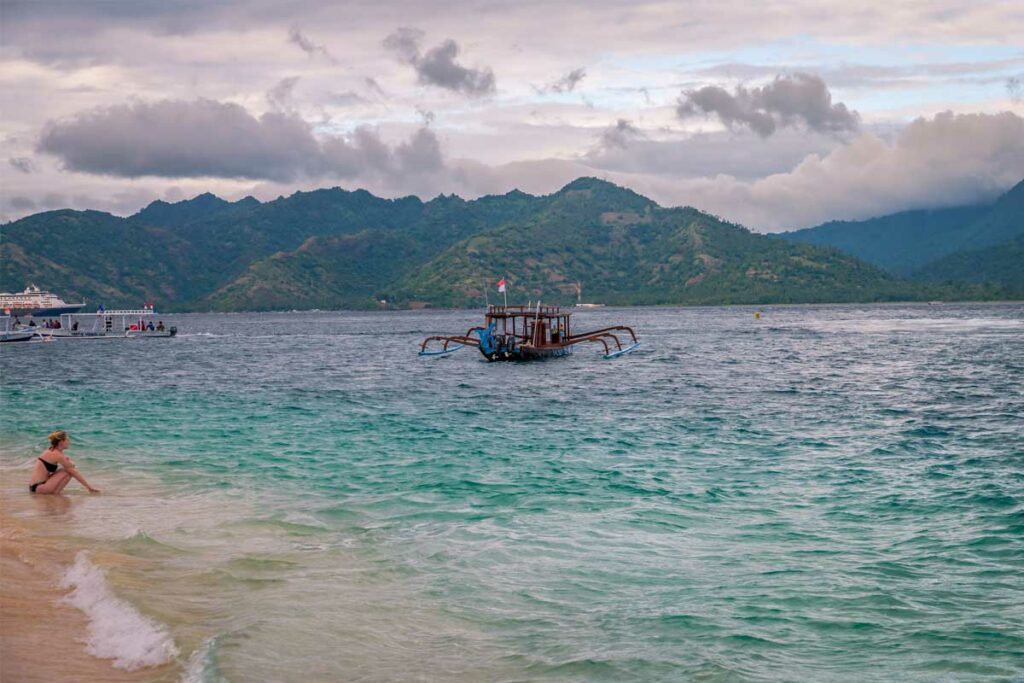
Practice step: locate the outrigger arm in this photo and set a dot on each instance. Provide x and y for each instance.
(605, 337)
(484, 339)
(459, 341)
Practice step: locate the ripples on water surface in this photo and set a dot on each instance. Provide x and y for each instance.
(829, 493)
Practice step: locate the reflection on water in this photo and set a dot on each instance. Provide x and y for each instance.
(55, 508)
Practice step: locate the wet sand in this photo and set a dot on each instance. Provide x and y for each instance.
(41, 638)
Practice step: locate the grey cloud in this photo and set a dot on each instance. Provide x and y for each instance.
(1015, 88)
(53, 200)
(296, 38)
(405, 43)
(12, 208)
(731, 110)
(205, 138)
(619, 135)
(280, 96)
(373, 86)
(349, 98)
(741, 154)
(23, 164)
(22, 203)
(566, 83)
(426, 115)
(437, 66)
(421, 154)
(786, 101)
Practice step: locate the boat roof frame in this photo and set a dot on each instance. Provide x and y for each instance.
(115, 312)
(495, 311)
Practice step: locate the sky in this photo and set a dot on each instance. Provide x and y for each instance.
(775, 115)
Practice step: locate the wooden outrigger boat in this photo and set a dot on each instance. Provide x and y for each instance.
(529, 333)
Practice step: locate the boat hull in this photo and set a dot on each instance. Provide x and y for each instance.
(131, 334)
(524, 353)
(16, 336)
(53, 312)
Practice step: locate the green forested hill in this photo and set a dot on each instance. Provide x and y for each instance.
(625, 249)
(902, 242)
(1002, 264)
(333, 248)
(957, 244)
(95, 256)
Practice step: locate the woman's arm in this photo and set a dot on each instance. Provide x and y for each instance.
(70, 468)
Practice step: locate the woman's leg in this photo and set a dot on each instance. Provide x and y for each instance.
(60, 487)
(54, 484)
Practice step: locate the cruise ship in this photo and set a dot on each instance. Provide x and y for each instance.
(33, 301)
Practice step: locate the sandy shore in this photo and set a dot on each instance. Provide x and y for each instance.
(41, 637)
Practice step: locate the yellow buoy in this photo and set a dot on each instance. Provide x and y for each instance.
(757, 315)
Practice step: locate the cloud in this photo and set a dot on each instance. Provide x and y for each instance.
(205, 138)
(882, 76)
(741, 154)
(619, 134)
(22, 203)
(296, 38)
(566, 83)
(437, 66)
(786, 101)
(948, 160)
(1015, 88)
(349, 98)
(23, 164)
(373, 86)
(280, 96)
(426, 115)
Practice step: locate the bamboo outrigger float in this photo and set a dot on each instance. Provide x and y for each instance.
(529, 333)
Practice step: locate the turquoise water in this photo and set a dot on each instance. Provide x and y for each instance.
(829, 493)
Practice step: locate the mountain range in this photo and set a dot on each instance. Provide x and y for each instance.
(979, 243)
(333, 248)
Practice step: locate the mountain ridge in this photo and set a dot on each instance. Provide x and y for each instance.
(332, 247)
(908, 243)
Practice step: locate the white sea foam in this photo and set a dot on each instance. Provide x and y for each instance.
(202, 665)
(116, 629)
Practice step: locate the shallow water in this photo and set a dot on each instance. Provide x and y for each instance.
(829, 493)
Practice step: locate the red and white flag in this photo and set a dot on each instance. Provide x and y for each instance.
(501, 285)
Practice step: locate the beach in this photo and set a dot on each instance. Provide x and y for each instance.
(42, 636)
(823, 493)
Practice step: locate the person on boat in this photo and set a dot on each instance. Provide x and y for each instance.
(52, 470)
(74, 326)
(160, 326)
(149, 326)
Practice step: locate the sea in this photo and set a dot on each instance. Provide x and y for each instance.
(817, 493)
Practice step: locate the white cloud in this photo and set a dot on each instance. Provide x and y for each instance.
(948, 160)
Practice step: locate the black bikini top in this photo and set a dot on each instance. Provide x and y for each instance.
(51, 467)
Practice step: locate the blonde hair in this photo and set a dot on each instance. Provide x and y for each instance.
(56, 437)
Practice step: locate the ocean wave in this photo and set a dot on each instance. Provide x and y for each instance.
(202, 665)
(116, 629)
(915, 325)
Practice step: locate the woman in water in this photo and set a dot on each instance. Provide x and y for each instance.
(47, 475)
